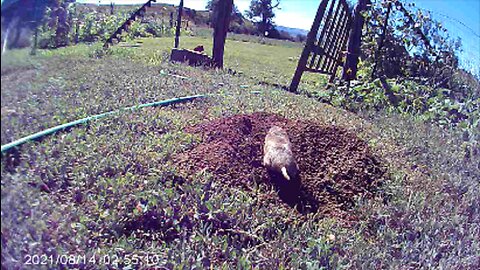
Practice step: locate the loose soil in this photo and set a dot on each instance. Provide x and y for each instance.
(335, 165)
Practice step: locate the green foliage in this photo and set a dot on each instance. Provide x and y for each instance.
(22, 18)
(109, 181)
(409, 97)
(92, 26)
(418, 70)
(415, 45)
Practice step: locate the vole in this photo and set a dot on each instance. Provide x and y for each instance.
(199, 49)
(278, 155)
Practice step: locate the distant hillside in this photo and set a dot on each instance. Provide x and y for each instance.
(293, 31)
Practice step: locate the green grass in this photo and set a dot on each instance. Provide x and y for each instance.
(101, 177)
(242, 54)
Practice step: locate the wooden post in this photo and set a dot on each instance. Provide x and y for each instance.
(354, 42)
(77, 24)
(332, 37)
(77, 30)
(35, 41)
(310, 43)
(222, 12)
(35, 35)
(179, 24)
(343, 40)
(382, 39)
(327, 25)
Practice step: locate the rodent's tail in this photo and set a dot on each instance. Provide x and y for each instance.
(285, 173)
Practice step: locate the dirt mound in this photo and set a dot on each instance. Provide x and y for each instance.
(335, 165)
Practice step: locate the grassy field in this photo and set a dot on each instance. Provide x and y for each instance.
(113, 190)
(243, 53)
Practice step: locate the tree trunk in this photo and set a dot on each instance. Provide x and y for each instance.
(263, 26)
(382, 39)
(309, 44)
(354, 42)
(221, 22)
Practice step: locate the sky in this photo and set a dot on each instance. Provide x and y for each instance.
(300, 13)
(293, 13)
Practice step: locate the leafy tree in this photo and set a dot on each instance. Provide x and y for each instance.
(211, 4)
(262, 12)
(21, 14)
(59, 21)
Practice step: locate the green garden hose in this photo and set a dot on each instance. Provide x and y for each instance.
(41, 134)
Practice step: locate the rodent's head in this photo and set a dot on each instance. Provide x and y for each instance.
(199, 48)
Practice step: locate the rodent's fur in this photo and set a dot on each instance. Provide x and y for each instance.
(278, 155)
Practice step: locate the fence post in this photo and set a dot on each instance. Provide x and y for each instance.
(222, 12)
(310, 43)
(354, 42)
(342, 41)
(382, 39)
(112, 8)
(179, 24)
(36, 22)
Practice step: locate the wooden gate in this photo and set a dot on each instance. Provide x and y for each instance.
(326, 41)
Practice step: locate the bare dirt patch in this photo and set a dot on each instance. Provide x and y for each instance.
(335, 165)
